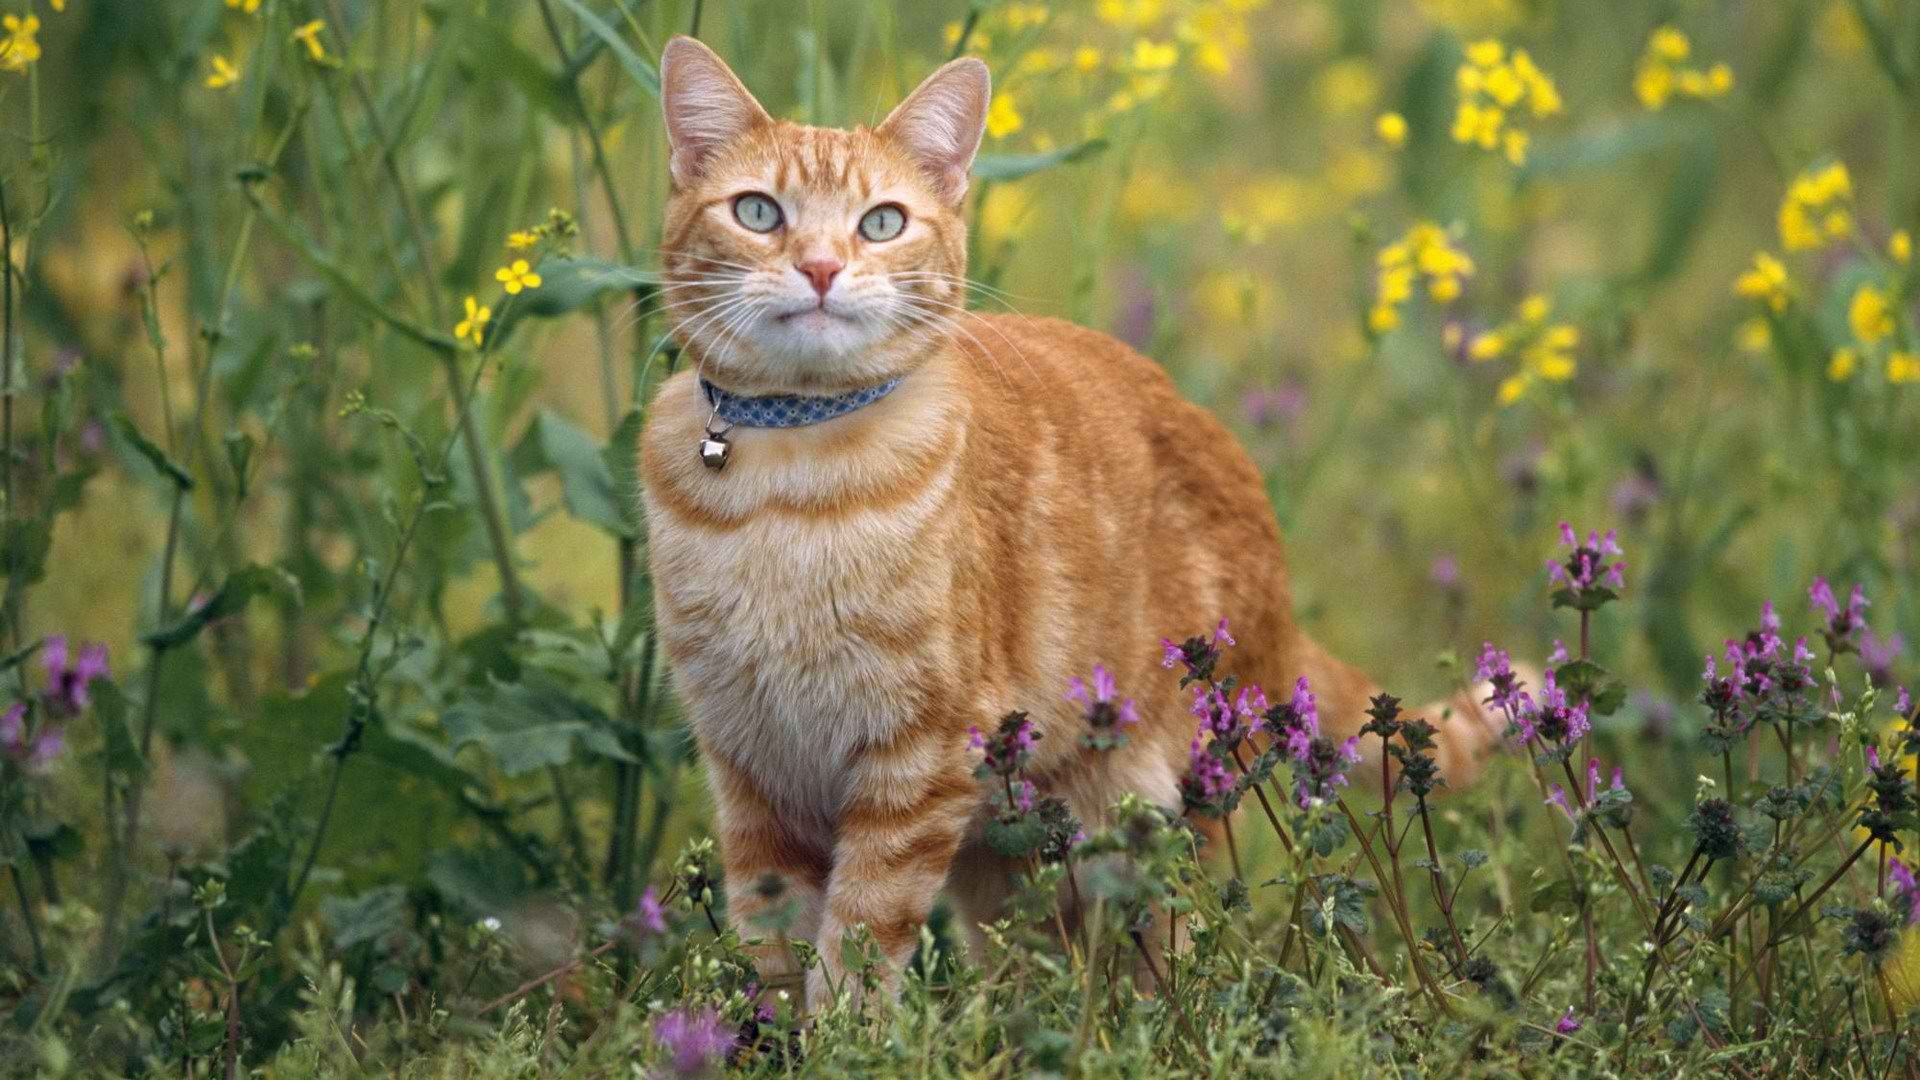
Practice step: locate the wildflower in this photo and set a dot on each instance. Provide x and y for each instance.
(1716, 834)
(1766, 281)
(1586, 580)
(1322, 768)
(1266, 407)
(1843, 625)
(249, 7)
(1544, 349)
(1008, 749)
(474, 327)
(1567, 1024)
(648, 917)
(308, 34)
(695, 1039)
(1870, 315)
(1419, 772)
(21, 46)
(516, 276)
(1208, 784)
(1392, 129)
(1149, 55)
(1550, 719)
(1003, 116)
(1086, 58)
(1444, 572)
(1493, 85)
(1755, 335)
(1103, 716)
(35, 754)
(224, 73)
(1426, 251)
(1842, 364)
(1903, 367)
(1869, 933)
(1816, 208)
(522, 239)
(1495, 669)
(1663, 72)
(1197, 654)
(1893, 799)
(68, 678)
(1906, 892)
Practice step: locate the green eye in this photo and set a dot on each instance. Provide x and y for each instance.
(757, 212)
(883, 222)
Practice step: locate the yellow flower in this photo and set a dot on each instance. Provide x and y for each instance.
(1154, 56)
(1900, 246)
(1815, 208)
(1392, 129)
(1870, 315)
(1425, 251)
(224, 74)
(1766, 281)
(522, 239)
(1132, 14)
(1903, 367)
(515, 276)
(1513, 388)
(59, 5)
(1840, 367)
(250, 7)
(1485, 54)
(474, 326)
(309, 35)
(1755, 335)
(1003, 116)
(1669, 44)
(20, 47)
(1086, 58)
(1534, 309)
(1516, 146)
(1653, 85)
(1494, 85)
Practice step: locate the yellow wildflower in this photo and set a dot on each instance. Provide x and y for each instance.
(1903, 367)
(515, 276)
(1662, 73)
(1840, 367)
(1755, 335)
(1426, 251)
(1003, 116)
(1392, 129)
(308, 34)
(1024, 16)
(1816, 208)
(1669, 44)
(1767, 281)
(20, 47)
(1900, 246)
(1494, 85)
(1870, 315)
(1534, 309)
(1086, 58)
(1270, 202)
(249, 7)
(224, 74)
(1513, 388)
(1132, 14)
(1488, 346)
(1154, 56)
(474, 326)
(522, 239)
(1515, 142)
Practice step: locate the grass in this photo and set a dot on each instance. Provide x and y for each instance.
(383, 763)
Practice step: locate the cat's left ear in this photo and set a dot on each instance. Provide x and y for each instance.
(942, 121)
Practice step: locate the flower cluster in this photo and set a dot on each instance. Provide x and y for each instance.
(1818, 207)
(1544, 348)
(1550, 719)
(20, 46)
(1842, 626)
(1761, 681)
(1586, 580)
(1426, 251)
(1008, 749)
(1766, 281)
(1494, 84)
(1892, 808)
(1107, 717)
(696, 1040)
(1665, 74)
(1906, 892)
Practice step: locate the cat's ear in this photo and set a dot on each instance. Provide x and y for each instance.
(942, 121)
(706, 106)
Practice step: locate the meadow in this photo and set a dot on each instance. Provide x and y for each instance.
(336, 740)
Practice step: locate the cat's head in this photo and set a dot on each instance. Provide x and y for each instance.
(813, 259)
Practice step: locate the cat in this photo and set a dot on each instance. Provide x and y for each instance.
(876, 520)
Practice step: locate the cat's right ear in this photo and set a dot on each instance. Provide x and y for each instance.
(706, 106)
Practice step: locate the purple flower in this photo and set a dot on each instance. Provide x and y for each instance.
(1878, 654)
(1008, 748)
(13, 729)
(695, 1039)
(1322, 768)
(37, 752)
(1295, 723)
(1170, 653)
(1265, 406)
(1557, 796)
(1906, 892)
(1445, 571)
(1495, 668)
(1902, 703)
(1207, 782)
(1843, 624)
(1550, 719)
(68, 680)
(1559, 653)
(1568, 1023)
(1097, 697)
(1586, 567)
(1220, 635)
(648, 917)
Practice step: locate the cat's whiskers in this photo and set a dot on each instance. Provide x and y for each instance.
(954, 312)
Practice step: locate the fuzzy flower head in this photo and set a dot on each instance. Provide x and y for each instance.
(1107, 716)
(34, 752)
(1843, 624)
(1295, 722)
(1550, 719)
(1568, 1023)
(1198, 655)
(1495, 670)
(696, 1040)
(1585, 578)
(1007, 750)
(1906, 891)
(1322, 768)
(70, 676)
(1208, 785)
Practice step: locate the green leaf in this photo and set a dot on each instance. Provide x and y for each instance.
(642, 72)
(232, 598)
(526, 726)
(492, 50)
(24, 546)
(146, 449)
(1016, 166)
(554, 442)
(371, 916)
(567, 284)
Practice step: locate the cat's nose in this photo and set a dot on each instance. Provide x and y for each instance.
(821, 272)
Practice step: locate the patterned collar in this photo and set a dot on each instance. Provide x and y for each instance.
(789, 410)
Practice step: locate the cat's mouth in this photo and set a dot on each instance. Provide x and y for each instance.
(812, 315)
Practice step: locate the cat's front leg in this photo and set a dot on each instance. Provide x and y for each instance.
(908, 806)
(776, 874)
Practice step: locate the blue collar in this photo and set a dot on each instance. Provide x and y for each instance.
(790, 410)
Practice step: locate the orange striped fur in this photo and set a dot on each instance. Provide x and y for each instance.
(842, 601)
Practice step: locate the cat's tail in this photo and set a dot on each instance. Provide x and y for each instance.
(1469, 730)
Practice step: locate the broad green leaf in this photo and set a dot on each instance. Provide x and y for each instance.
(1015, 166)
(567, 285)
(527, 726)
(371, 916)
(642, 72)
(554, 442)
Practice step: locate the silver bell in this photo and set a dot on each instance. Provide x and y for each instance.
(714, 451)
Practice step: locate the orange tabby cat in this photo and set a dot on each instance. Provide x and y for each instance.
(967, 511)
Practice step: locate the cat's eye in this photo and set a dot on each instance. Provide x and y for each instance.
(883, 222)
(757, 212)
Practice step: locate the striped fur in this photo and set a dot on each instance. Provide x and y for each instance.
(844, 600)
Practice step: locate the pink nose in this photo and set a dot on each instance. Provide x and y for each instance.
(821, 272)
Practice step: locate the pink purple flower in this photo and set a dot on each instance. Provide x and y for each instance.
(1843, 624)
(35, 752)
(1586, 567)
(1906, 892)
(70, 677)
(1568, 1023)
(1098, 696)
(695, 1039)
